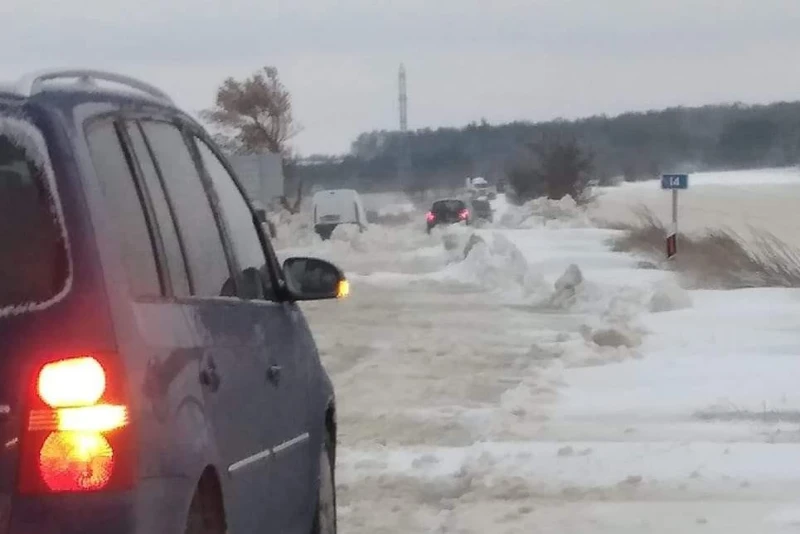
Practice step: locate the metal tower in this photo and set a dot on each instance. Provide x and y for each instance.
(404, 155)
(403, 99)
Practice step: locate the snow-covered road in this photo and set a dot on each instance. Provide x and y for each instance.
(483, 395)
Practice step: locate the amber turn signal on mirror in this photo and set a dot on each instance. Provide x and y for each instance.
(343, 289)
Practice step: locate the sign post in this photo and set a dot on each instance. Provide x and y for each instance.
(674, 182)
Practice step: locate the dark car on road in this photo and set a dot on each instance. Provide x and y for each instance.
(158, 376)
(447, 211)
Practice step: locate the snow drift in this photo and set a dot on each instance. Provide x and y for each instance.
(545, 213)
(490, 261)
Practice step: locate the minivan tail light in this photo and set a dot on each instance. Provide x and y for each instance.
(78, 435)
(463, 214)
(430, 217)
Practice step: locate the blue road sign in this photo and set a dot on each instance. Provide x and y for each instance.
(675, 181)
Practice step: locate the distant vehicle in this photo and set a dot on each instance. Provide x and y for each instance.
(482, 209)
(478, 187)
(447, 211)
(158, 375)
(337, 206)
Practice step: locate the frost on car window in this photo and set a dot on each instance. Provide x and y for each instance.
(34, 254)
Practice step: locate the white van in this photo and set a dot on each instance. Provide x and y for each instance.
(335, 207)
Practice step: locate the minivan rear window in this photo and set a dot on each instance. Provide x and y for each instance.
(33, 253)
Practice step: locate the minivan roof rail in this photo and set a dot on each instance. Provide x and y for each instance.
(33, 83)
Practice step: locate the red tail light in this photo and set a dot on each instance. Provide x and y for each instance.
(463, 214)
(78, 437)
(430, 217)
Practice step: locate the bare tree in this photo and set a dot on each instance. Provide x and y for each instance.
(255, 115)
(257, 111)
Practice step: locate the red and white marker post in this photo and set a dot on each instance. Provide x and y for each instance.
(675, 182)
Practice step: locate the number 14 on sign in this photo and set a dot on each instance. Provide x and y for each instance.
(675, 181)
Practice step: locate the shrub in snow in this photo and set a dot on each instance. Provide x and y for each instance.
(669, 296)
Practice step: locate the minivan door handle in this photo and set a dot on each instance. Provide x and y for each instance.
(209, 376)
(274, 374)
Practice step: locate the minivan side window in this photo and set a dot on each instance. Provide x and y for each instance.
(125, 204)
(198, 228)
(176, 266)
(238, 219)
(33, 262)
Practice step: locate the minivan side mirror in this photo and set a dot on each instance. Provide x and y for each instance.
(314, 279)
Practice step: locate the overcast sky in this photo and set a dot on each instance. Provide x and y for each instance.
(501, 60)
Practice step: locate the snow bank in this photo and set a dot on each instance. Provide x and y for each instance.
(293, 230)
(669, 296)
(396, 209)
(545, 213)
(297, 230)
(613, 326)
(489, 260)
(379, 238)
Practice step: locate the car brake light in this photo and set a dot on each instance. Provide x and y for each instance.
(430, 217)
(78, 434)
(463, 214)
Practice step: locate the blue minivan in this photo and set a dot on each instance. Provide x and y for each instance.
(156, 373)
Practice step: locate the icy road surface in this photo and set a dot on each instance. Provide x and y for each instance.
(475, 397)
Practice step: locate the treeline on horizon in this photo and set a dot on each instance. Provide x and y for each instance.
(632, 146)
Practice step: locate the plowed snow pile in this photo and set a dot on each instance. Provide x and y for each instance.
(490, 261)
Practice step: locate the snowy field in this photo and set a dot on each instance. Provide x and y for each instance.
(507, 392)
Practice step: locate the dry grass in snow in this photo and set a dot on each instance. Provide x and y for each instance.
(717, 259)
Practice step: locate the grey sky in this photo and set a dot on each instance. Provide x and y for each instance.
(466, 59)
